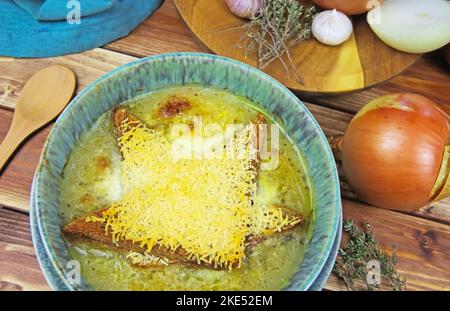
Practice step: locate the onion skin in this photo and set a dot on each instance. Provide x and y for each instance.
(393, 149)
(349, 7)
(447, 53)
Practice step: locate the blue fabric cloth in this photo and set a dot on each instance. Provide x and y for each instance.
(39, 28)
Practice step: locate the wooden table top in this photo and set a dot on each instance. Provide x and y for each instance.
(422, 238)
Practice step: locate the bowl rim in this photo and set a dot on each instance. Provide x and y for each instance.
(49, 273)
(41, 230)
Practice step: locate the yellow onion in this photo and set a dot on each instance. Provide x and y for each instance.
(349, 7)
(395, 152)
(447, 53)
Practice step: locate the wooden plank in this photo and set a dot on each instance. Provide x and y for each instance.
(16, 178)
(19, 269)
(164, 32)
(15, 182)
(6, 59)
(429, 77)
(14, 191)
(87, 66)
(422, 247)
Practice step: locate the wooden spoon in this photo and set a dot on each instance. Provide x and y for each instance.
(44, 97)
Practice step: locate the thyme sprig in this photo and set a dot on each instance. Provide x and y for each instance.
(362, 247)
(279, 26)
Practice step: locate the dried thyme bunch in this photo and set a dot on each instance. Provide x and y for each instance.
(280, 25)
(362, 247)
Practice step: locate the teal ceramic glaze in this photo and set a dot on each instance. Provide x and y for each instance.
(157, 72)
(57, 283)
(322, 279)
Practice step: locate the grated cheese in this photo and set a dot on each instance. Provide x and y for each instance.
(204, 206)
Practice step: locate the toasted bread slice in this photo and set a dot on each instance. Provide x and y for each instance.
(95, 231)
(83, 230)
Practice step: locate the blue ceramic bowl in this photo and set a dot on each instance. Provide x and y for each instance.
(157, 72)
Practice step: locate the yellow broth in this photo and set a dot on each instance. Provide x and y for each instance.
(91, 181)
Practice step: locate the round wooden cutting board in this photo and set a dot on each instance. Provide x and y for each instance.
(362, 61)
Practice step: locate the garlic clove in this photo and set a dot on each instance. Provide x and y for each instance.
(332, 27)
(244, 8)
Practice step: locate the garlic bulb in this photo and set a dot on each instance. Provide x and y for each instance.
(244, 8)
(332, 27)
